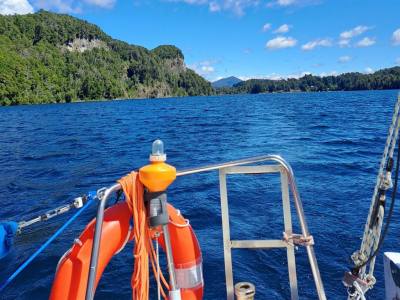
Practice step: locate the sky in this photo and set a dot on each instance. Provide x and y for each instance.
(249, 38)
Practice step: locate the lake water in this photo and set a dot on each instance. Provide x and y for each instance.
(49, 154)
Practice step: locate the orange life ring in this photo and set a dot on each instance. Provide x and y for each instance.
(187, 256)
(72, 271)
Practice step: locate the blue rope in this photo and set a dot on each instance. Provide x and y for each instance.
(91, 197)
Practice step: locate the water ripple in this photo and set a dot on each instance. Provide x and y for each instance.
(51, 153)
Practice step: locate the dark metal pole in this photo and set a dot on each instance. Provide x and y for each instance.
(94, 258)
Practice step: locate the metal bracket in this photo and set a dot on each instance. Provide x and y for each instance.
(100, 193)
(357, 286)
(349, 279)
(386, 181)
(298, 239)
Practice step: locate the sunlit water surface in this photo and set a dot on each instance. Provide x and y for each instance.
(49, 154)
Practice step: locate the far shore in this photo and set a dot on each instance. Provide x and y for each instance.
(214, 95)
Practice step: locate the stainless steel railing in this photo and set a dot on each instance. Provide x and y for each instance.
(104, 194)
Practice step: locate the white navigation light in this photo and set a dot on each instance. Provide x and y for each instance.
(157, 151)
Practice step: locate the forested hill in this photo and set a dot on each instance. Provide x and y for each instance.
(380, 80)
(47, 57)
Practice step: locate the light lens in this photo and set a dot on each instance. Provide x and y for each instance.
(158, 148)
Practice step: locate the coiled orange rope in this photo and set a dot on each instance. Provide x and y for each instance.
(142, 236)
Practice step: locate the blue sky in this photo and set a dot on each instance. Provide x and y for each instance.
(249, 38)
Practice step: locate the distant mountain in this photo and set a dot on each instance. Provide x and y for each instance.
(47, 57)
(226, 82)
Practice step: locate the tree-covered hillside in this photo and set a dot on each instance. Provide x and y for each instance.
(47, 58)
(380, 80)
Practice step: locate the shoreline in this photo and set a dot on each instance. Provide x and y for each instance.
(170, 97)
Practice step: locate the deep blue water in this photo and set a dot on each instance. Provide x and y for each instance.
(51, 153)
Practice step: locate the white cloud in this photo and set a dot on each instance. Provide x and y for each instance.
(396, 37)
(214, 7)
(207, 69)
(190, 1)
(331, 73)
(287, 3)
(317, 43)
(61, 6)
(204, 68)
(344, 43)
(12, 7)
(238, 7)
(346, 36)
(368, 70)
(281, 42)
(344, 59)
(266, 27)
(275, 76)
(398, 60)
(365, 42)
(283, 29)
(245, 77)
(304, 73)
(70, 6)
(354, 32)
(101, 3)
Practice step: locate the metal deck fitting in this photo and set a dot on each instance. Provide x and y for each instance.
(277, 165)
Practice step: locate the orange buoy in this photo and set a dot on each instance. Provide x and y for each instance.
(72, 271)
(158, 175)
